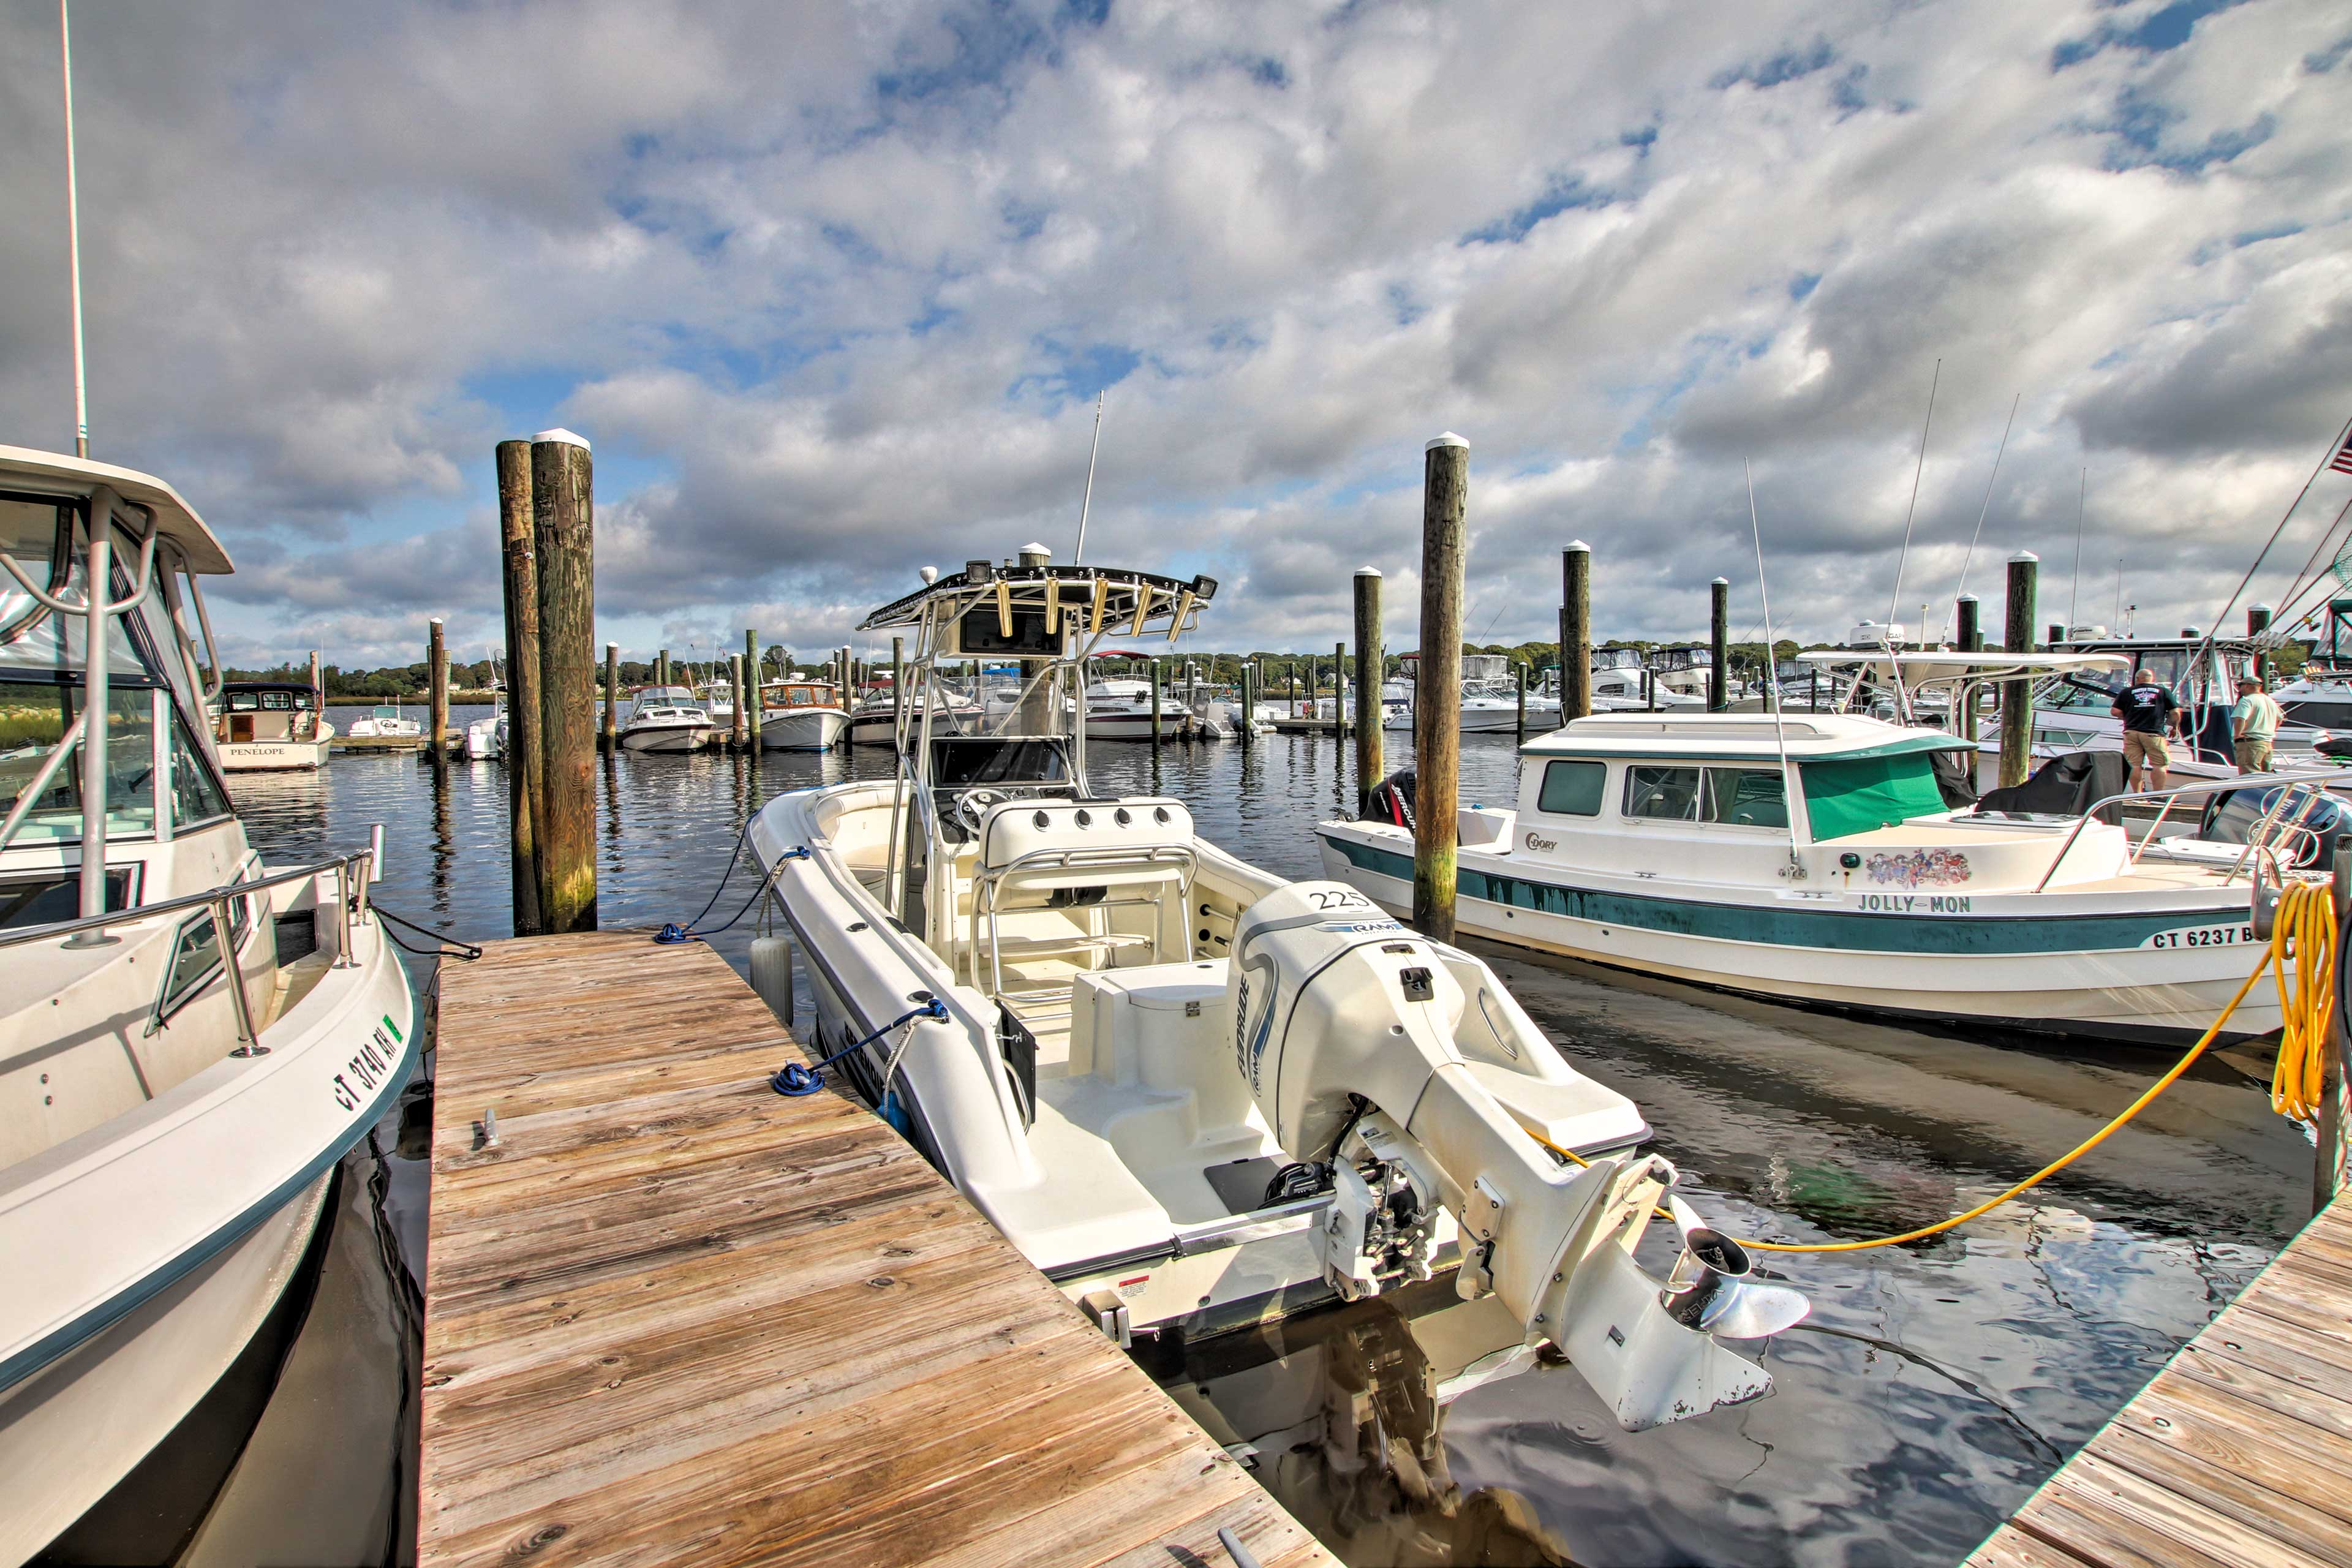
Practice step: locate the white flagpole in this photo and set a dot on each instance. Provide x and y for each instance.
(73, 239)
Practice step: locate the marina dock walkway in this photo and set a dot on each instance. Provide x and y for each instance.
(673, 1317)
(2235, 1456)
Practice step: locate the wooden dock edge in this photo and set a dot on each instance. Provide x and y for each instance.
(674, 1317)
(2233, 1455)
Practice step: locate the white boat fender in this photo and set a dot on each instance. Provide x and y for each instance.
(673, 933)
(794, 1080)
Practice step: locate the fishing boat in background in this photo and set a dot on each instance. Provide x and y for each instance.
(1195, 1093)
(1489, 701)
(666, 719)
(487, 737)
(801, 716)
(385, 722)
(192, 1038)
(270, 726)
(1840, 859)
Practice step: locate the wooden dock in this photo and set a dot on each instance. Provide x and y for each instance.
(673, 1317)
(2235, 1456)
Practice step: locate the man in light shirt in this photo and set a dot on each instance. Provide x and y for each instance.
(2254, 724)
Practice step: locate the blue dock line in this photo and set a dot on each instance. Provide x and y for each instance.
(687, 932)
(796, 1081)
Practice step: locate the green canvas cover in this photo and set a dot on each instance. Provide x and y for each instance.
(1869, 793)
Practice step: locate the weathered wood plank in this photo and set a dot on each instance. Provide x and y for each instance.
(2235, 1453)
(675, 1318)
(2010, 1547)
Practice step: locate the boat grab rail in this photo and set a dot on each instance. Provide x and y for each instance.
(986, 885)
(2316, 781)
(350, 909)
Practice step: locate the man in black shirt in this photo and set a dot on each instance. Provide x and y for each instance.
(2149, 713)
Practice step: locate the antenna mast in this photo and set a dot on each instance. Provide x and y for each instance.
(1773, 691)
(1999, 452)
(1894, 604)
(73, 238)
(1085, 505)
(2074, 593)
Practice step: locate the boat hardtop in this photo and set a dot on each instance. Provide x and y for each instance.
(1195, 1093)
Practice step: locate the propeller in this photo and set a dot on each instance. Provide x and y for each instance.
(1708, 1287)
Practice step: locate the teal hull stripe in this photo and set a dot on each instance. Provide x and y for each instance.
(1837, 929)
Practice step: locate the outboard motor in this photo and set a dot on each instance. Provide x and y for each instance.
(1345, 1029)
(2304, 827)
(1392, 800)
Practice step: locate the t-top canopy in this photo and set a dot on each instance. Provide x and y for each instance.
(1993, 664)
(25, 470)
(1106, 598)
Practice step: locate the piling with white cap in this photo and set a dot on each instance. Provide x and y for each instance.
(1437, 704)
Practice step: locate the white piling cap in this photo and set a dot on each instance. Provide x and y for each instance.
(1032, 547)
(1579, 546)
(2024, 556)
(1368, 570)
(568, 438)
(2257, 609)
(434, 622)
(1967, 599)
(1448, 439)
(1720, 582)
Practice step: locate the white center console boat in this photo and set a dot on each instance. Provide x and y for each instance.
(1196, 1094)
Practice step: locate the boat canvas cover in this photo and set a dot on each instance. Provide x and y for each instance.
(2064, 786)
(1862, 794)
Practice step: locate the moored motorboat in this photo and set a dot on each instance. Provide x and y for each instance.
(385, 722)
(1192, 1093)
(666, 719)
(172, 1120)
(800, 716)
(1666, 843)
(270, 726)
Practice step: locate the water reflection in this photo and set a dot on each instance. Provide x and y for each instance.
(1933, 1388)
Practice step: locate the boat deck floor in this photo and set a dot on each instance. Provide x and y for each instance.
(2234, 1455)
(673, 1317)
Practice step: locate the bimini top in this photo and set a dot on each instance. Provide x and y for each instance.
(1108, 598)
(1740, 737)
(25, 471)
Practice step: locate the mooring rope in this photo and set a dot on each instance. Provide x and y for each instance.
(795, 1081)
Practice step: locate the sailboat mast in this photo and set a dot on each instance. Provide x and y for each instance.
(73, 238)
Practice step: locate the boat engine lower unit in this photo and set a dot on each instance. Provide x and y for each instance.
(1345, 1027)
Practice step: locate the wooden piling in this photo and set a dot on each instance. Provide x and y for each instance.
(2057, 633)
(1971, 639)
(612, 695)
(2016, 696)
(526, 781)
(2258, 621)
(1575, 632)
(1437, 716)
(1151, 674)
(661, 667)
(751, 684)
(1370, 674)
(437, 687)
(1718, 645)
(1339, 689)
(1249, 703)
(1519, 683)
(564, 514)
(318, 688)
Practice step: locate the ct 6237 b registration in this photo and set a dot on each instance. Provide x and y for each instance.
(2203, 936)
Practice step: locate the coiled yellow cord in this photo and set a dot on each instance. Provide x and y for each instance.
(2307, 923)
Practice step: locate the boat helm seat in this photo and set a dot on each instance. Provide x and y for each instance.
(1080, 881)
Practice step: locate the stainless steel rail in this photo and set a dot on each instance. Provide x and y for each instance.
(2318, 780)
(351, 909)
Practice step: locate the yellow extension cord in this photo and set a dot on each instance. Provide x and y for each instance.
(2306, 922)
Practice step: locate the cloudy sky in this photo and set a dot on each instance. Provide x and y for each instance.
(832, 288)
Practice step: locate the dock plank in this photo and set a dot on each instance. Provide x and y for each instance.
(2235, 1453)
(673, 1317)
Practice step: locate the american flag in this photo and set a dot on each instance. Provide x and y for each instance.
(2342, 461)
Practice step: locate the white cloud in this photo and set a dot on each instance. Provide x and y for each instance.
(832, 290)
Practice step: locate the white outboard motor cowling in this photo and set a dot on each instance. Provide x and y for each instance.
(1345, 1028)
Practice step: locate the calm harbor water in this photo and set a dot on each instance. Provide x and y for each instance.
(1933, 1387)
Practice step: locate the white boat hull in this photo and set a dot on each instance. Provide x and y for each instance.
(273, 756)
(151, 1280)
(666, 738)
(1491, 718)
(801, 728)
(2075, 984)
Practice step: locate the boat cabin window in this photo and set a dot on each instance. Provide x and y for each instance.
(1662, 794)
(196, 956)
(34, 717)
(52, 897)
(1573, 789)
(997, 762)
(1747, 797)
(1862, 794)
(196, 796)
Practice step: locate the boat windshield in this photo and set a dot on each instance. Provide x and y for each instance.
(1862, 794)
(34, 717)
(385, 711)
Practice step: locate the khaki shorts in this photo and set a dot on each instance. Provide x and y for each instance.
(2143, 748)
(2254, 756)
